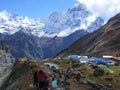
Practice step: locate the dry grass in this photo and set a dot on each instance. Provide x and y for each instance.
(87, 70)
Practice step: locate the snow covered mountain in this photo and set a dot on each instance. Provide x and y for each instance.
(11, 23)
(45, 37)
(71, 20)
(58, 23)
(104, 41)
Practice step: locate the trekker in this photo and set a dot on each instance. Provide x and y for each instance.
(35, 80)
(50, 85)
(45, 84)
(58, 82)
(54, 83)
(41, 79)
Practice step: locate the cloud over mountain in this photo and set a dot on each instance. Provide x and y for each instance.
(104, 8)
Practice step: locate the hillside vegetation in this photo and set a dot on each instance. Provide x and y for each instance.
(104, 41)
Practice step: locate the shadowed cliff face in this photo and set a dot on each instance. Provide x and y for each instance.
(6, 61)
(105, 40)
(3, 46)
(22, 44)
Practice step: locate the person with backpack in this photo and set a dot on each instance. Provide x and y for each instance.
(41, 79)
(58, 83)
(35, 80)
(45, 84)
(54, 83)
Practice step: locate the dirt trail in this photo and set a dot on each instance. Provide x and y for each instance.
(73, 86)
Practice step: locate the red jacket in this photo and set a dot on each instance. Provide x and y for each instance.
(41, 76)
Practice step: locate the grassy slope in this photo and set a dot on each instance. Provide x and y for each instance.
(87, 70)
(104, 41)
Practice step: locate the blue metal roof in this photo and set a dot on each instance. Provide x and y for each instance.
(100, 60)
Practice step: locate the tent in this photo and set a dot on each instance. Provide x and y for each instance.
(99, 60)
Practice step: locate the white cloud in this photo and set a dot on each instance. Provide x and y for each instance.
(104, 8)
(90, 19)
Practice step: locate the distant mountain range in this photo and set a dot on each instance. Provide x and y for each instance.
(43, 38)
(104, 41)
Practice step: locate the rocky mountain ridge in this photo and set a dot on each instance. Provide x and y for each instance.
(104, 41)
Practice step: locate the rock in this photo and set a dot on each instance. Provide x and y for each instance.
(98, 72)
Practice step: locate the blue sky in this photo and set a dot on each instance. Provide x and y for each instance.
(35, 8)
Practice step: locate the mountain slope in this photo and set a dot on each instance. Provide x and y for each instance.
(20, 75)
(5, 56)
(6, 61)
(105, 40)
(21, 44)
(54, 45)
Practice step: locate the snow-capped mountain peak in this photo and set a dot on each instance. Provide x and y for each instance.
(71, 20)
(58, 23)
(10, 23)
(5, 15)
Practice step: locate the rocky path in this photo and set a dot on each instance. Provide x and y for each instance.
(73, 86)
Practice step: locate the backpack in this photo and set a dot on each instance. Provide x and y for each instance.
(41, 76)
